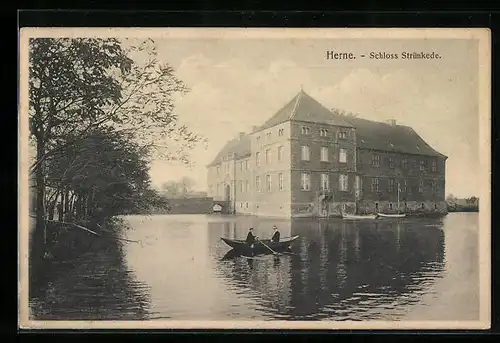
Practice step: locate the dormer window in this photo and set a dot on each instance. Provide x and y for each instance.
(343, 135)
(323, 132)
(305, 130)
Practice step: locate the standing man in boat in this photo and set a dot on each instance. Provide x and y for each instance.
(251, 238)
(276, 235)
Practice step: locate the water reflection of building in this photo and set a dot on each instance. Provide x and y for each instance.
(345, 267)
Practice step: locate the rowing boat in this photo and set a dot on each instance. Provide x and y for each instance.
(359, 216)
(383, 215)
(260, 245)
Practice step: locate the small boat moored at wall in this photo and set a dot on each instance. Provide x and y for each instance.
(400, 215)
(395, 215)
(359, 216)
(241, 245)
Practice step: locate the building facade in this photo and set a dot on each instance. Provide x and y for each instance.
(307, 160)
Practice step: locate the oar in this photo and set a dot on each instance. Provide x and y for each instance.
(264, 244)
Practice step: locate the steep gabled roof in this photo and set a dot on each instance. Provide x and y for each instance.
(369, 134)
(239, 146)
(304, 108)
(387, 137)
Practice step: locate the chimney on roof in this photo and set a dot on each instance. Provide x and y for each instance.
(241, 135)
(392, 122)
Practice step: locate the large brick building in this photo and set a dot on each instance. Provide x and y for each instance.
(309, 161)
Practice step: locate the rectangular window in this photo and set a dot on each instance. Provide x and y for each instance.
(323, 132)
(268, 183)
(391, 186)
(391, 162)
(305, 130)
(246, 164)
(324, 154)
(434, 166)
(248, 186)
(257, 183)
(421, 186)
(325, 182)
(375, 160)
(375, 184)
(434, 186)
(268, 156)
(242, 188)
(280, 181)
(343, 183)
(422, 165)
(305, 153)
(404, 163)
(280, 132)
(257, 159)
(241, 166)
(343, 135)
(218, 170)
(405, 186)
(343, 155)
(280, 153)
(258, 140)
(306, 181)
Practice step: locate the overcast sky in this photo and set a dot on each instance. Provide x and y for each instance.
(237, 83)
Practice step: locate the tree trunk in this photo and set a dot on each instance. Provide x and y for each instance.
(72, 206)
(40, 189)
(60, 206)
(90, 204)
(52, 209)
(66, 203)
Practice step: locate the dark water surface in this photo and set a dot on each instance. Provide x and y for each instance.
(410, 269)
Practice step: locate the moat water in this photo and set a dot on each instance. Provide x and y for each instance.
(407, 269)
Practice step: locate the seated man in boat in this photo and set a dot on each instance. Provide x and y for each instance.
(276, 235)
(251, 238)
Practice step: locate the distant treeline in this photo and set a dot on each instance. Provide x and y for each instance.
(462, 204)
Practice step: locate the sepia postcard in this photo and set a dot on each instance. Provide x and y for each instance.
(257, 178)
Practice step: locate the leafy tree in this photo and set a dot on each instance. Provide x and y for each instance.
(78, 86)
(104, 173)
(451, 198)
(69, 85)
(177, 189)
